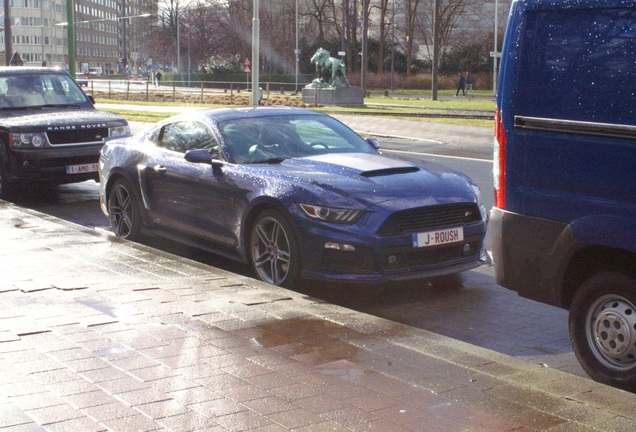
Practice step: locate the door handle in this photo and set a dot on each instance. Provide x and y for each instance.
(160, 168)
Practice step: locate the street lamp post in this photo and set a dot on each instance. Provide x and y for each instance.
(365, 45)
(70, 32)
(436, 39)
(297, 51)
(8, 38)
(255, 53)
(495, 53)
(392, 45)
(178, 40)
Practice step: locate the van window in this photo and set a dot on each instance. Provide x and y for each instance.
(571, 61)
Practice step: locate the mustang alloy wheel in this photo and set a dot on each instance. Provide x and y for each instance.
(273, 249)
(603, 328)
(123, 208)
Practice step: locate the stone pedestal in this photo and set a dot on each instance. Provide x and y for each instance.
(334, 96)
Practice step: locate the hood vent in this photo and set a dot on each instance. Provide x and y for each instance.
(390, 171)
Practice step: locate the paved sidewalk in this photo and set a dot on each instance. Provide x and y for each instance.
(102, 334)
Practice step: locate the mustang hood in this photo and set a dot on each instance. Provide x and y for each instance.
(372, 179)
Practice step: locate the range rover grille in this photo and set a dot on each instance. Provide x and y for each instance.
(77, 136)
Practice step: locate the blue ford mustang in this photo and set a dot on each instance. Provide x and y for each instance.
(293, 192)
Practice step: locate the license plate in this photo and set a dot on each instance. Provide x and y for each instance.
(79, 169)
(439, 237)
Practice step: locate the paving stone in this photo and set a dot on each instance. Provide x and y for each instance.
(296, 418)
(142, 396)
(132, 423)
(11, 416)
(89, 399)
(161, 409)
(37, 400)
(83, 424)
(113, 410)
(190, 421)
(53, 414)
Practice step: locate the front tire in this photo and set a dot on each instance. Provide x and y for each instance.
(123, 211)
(602, 327)
(273, 250)
(7, 191)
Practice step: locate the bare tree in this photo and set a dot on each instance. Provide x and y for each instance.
(452, 14)
(319, 12)
(410, 14)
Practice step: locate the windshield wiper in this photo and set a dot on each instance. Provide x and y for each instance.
(60, 106)
(274, 160)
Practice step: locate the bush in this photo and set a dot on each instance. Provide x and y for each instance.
(418, 82)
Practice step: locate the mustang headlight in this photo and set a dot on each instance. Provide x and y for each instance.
(330, 214)
(482, 208)
(119, 131)
(28, 140)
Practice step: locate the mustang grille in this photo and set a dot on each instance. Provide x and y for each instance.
(77, 136)
(430, 217)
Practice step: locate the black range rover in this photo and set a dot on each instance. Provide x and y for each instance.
(50, 132)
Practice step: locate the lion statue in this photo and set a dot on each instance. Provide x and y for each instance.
(330, 70)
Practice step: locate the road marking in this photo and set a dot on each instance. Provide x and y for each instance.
(437, 155)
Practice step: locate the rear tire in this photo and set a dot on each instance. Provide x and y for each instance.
(123, 211)
(602, 327)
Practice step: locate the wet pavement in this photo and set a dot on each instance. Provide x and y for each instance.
(99, 334)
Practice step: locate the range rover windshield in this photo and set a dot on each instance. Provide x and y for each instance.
(23, 91)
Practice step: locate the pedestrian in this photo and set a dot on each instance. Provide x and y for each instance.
(461, 84)
(158, 78)
(469, 84)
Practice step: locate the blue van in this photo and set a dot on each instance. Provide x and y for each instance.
(564, 222)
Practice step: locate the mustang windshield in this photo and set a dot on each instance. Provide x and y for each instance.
(254, 140)
(39, 90)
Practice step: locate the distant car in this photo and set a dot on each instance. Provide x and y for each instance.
(50, 132)
(293, 192)
(81, 79)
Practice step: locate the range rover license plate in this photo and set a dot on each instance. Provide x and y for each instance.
(439, 237)
(79, 169)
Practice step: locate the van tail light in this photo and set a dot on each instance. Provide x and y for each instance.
(499, 161)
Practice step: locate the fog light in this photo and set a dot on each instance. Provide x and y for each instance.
(340, 246)
(466, 250)
(392, 260)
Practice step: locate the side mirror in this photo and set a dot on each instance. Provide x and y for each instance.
(373, 143)
(201, 156)
(91, 98)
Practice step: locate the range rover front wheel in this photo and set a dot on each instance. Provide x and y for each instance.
(6, 188)
(602, 327)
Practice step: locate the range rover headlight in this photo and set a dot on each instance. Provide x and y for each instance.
(119, 131)
(330, 214)
(28, 140)
(37, 141)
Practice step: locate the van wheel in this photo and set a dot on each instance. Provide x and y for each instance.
(602, 327)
